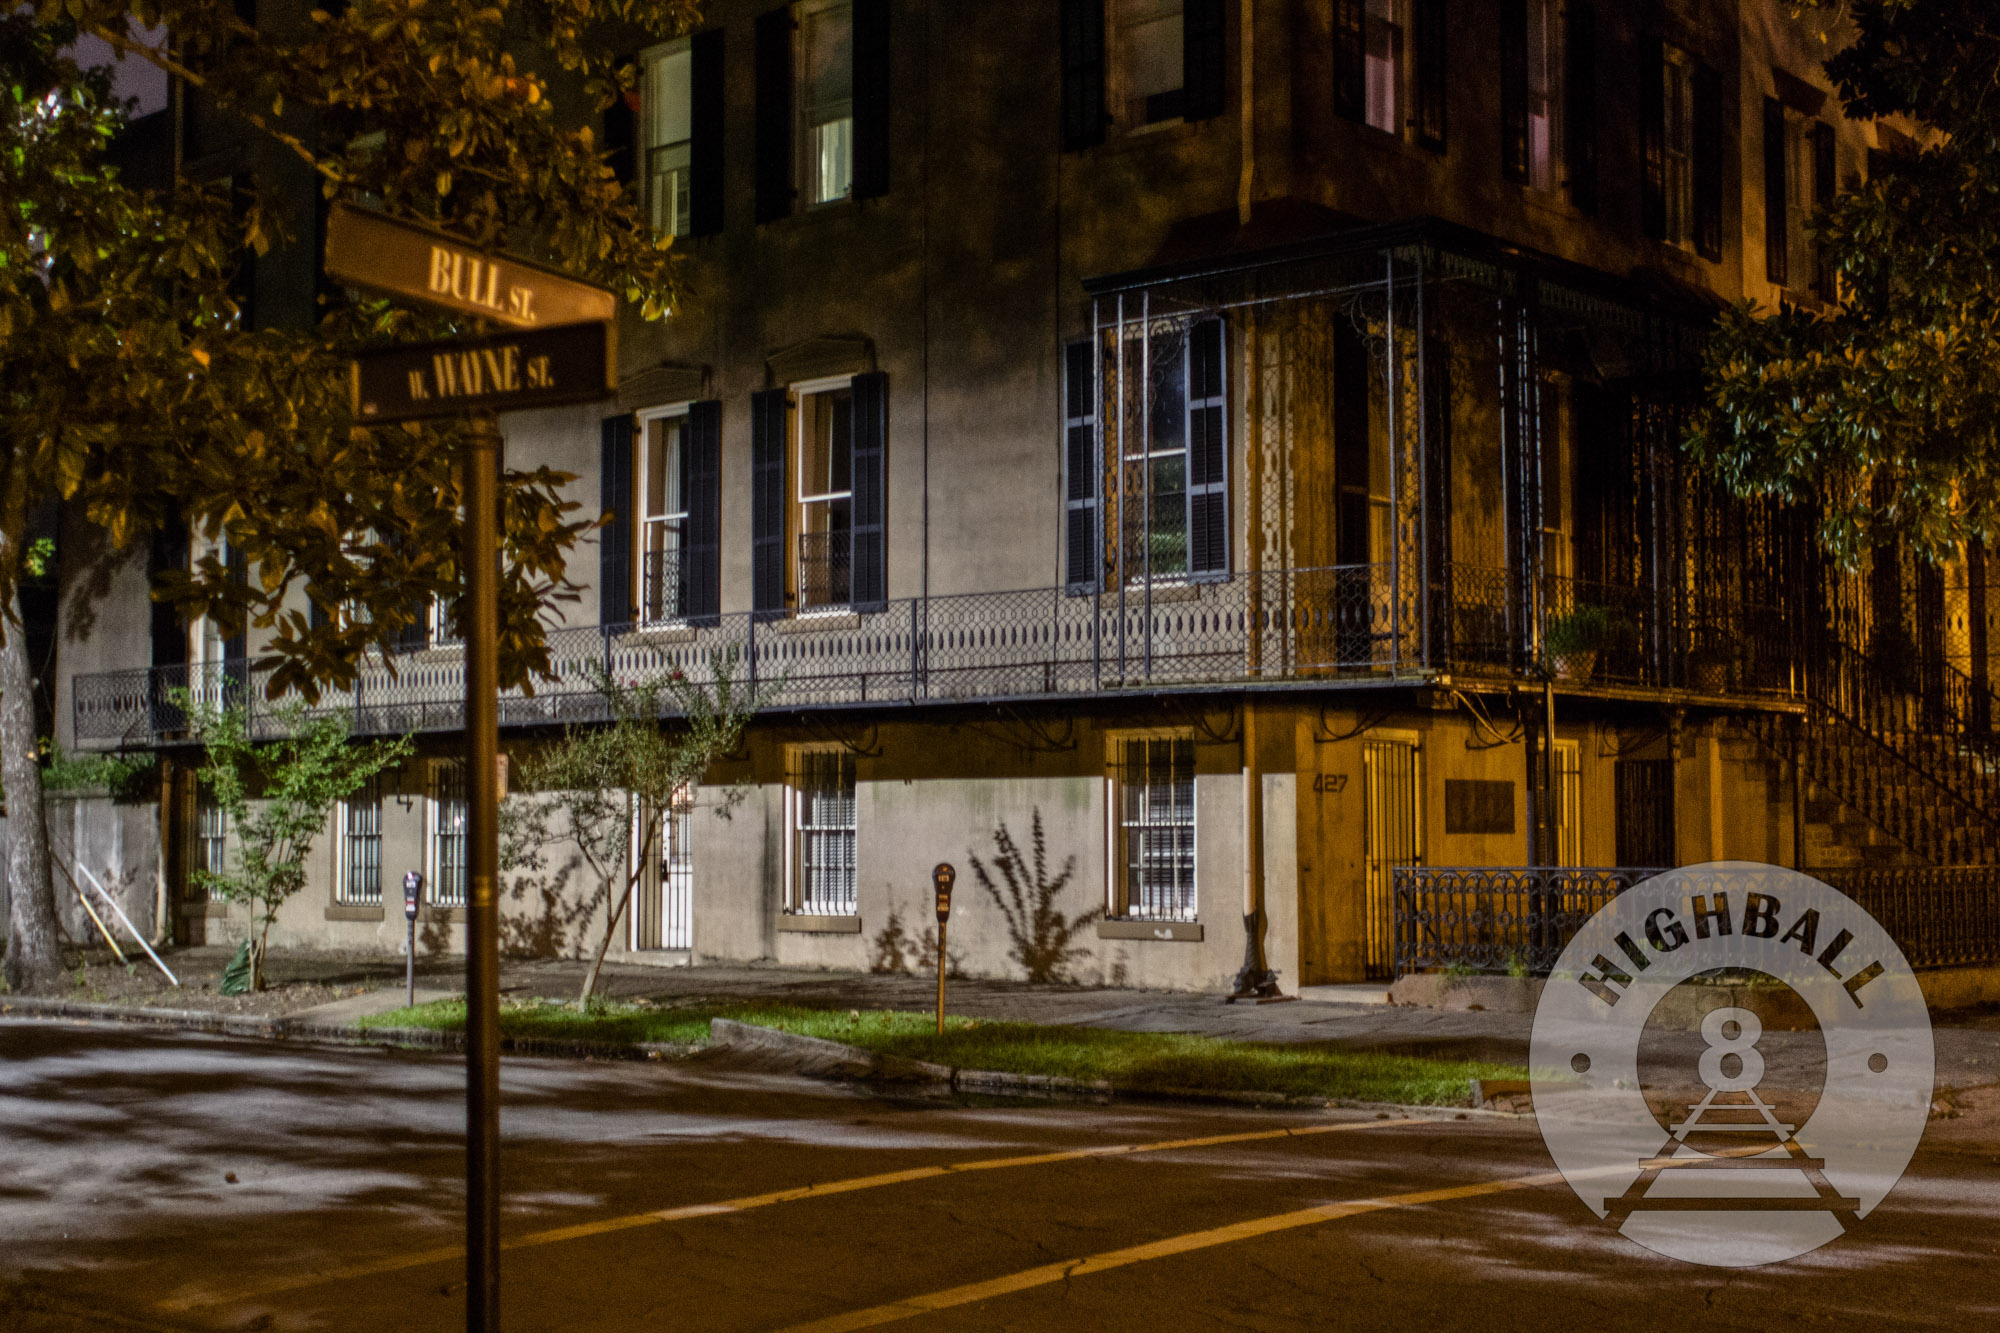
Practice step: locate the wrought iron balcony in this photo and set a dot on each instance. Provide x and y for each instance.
(1347, 623)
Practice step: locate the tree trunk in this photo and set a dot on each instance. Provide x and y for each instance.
(34, 962)
(610, 930)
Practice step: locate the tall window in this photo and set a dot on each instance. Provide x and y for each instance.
(1152, 50)
(821, 817)
(1557, 470)
(667, 136)
(826, 99)
(1174, 483)
(1153, 836)
(1566, 775)
(1544, 66)
(1383, 64)
(208, 645)
(663, 513)
(211, 841)
(358, 871)
(1677, 90)
(446, 817)
(825, 493)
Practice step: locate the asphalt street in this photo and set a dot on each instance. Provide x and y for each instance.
(152, 1180)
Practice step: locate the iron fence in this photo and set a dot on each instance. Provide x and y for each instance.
(1275, 626)
(1497, 919)
(1518, 918)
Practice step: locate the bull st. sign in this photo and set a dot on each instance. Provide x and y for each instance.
(434, 268)
(504, 373)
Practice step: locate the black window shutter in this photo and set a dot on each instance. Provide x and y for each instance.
(1082, 41)
(871, 98)
(1204, 59)
(1707, 164)
(870, 586)
(1580, 107)
(1653, 138)
(705, 103)
(621, 138)
(1080, 464)
(236, 646)
(1350, 52)
(701, 485)
(1431, 52)
(1350, 445)
(614, 549)
(1208, 452)
(1776, 225)
(1824, 182)
(767, 502)
(774, 115)
(1514, 89)
(170, 552)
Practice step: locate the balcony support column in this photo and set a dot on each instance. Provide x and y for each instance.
(1255, 980)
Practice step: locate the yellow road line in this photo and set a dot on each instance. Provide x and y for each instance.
(1048, 1274)
(418, 1259)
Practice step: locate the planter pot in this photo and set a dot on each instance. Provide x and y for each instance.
(1580, 665)
(1708, 677)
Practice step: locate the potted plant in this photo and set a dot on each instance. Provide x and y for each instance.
(1708, 667)
(1572, 641)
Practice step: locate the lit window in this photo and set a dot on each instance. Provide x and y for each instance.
(1677, 87)
(667, 134)
(821, 815)
(826, 99)
(358, 865)
(1175, 506)
(825, 500)
(446, 817)
(1382, 63)
(663, 514)
(1566, 774)
(1151, 42)
(1153, 809)
(1544, 70)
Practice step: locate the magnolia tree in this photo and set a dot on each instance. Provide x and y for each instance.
(277, 797)
(134, 389)
(608, 792)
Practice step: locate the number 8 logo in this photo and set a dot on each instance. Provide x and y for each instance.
(1742, 1043)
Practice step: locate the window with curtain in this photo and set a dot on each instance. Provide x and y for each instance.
(826, 99)
(667, 136)
(663, 513)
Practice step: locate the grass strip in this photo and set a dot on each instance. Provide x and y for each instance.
(1129, 1061)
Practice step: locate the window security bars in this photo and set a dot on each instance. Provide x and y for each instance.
(824, 823)
(447, 886)
(1155, 805)
(1395, 838)
(663, 913)
(211, 843)
(360, 879)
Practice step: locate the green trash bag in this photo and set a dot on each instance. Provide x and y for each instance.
(236, 977)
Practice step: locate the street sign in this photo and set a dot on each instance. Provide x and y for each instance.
(435, 268)
(537, 368)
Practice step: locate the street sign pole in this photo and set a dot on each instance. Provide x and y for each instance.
(480, 561)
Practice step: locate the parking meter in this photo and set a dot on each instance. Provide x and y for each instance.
(413, 899)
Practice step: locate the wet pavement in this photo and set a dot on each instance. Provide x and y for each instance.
(155, 1180)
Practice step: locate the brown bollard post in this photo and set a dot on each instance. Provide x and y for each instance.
(942, 877)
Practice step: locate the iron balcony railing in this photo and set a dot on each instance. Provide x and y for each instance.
(660, 597)
(826, 569)
(1517, 919)
(1350, 622)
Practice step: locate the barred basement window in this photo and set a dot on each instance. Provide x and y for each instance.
(821, 815)
(1153, 830)
(358, 867)
(446, 818)
(211, 842)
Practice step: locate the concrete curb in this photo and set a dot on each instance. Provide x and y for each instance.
(819, 1057)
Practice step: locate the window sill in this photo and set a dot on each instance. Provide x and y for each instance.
(353, 912)
(661, 635)
(1125, 929)
(800, 924)
(809, 622)
(1163, 592)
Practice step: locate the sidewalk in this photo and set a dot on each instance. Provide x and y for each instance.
(322, 991)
